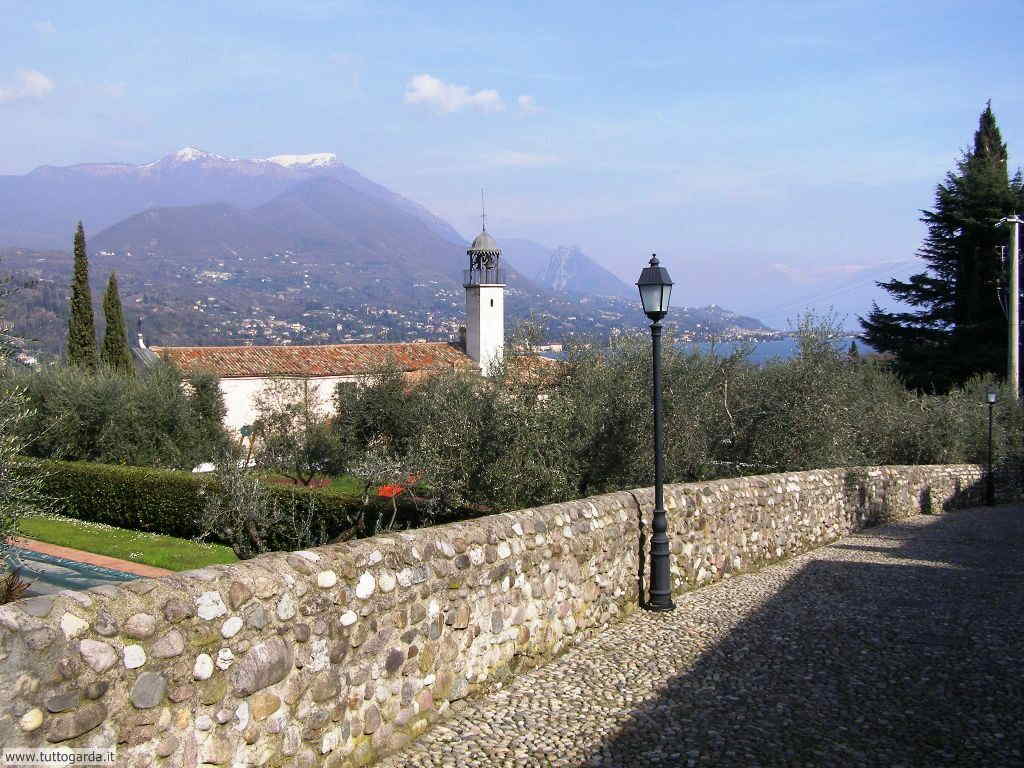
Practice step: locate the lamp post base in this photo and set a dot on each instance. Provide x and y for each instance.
(660, 607)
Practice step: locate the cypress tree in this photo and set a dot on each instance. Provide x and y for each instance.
(81, 327)
(8, 343)
(115, 353)
(957, 328)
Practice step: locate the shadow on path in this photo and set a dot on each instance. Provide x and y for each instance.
(904, 646)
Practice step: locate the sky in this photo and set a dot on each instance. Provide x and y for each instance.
(775, 154)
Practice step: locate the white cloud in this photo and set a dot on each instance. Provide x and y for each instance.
(513, 159)
(45, 28)
(27, 84)
(447, 97)
(527, 104)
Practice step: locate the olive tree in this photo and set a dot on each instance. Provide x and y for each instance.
(242, 512)
(292, 432)
(155, 419)
(21, 483)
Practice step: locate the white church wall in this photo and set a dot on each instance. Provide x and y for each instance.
(239, 392)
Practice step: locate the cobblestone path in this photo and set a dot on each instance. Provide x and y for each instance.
(902, 645)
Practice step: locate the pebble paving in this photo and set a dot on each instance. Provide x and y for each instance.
(902, 645)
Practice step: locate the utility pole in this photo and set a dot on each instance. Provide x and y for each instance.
(1013, 361)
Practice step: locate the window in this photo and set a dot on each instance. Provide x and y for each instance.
(492, 302)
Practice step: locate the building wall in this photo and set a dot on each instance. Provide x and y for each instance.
(485, 324)
(334, 656)
(238, 394)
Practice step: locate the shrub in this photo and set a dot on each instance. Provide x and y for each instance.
(21, 487)
(252, 518)
(496, 443)
(177, 503)
(148, 420)
(136, 498)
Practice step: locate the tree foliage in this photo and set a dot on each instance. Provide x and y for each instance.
(583, 427)
(957, 328)
(81, 347)
(9, 343)
(177, 503)
(21, 486)
(242, 512)
(291, 434)
(115, 353)
(148, 420)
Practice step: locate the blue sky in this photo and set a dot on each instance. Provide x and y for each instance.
(775, 154)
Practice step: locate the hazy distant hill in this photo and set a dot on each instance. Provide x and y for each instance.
(320, 231)
(40, 209)
(714, 321)
(563, 269)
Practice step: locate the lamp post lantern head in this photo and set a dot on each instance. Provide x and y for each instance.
(991, 397)
(655, 290)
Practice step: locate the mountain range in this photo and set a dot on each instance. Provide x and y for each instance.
(38, 209)
(271, 243)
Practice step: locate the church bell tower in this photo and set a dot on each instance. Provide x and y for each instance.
(485, 301)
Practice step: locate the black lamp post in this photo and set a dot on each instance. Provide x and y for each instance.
(990, 483)
(655, 291)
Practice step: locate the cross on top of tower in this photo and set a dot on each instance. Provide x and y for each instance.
(483, 211)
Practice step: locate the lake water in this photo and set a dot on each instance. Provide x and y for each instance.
(764, 351)
(774, 348)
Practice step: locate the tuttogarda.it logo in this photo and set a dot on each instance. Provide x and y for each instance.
(51, 756)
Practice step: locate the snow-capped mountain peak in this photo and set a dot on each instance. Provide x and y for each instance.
(318, 160)
(188, 154)
(185, 155)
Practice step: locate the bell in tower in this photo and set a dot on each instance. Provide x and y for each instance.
(485, 301)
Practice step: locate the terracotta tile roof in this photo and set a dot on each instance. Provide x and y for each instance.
(320, 360)
(530, 367)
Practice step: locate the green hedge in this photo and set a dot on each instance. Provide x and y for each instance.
(159, 500)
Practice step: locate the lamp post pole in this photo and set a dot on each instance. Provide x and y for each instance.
(990, 483)
(1013, 316)
(661, 581)
(655, 291)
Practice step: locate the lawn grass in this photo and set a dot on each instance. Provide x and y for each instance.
(148, 548)
(347, 484)
(343, 485)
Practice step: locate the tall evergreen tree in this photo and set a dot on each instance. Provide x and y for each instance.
(8, 342)
(115, 353)
(81, 327)
(958, 327)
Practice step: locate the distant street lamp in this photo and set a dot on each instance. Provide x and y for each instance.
(655, 291)
(990, 483)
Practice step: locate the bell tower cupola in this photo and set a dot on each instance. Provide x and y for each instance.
(485, 300)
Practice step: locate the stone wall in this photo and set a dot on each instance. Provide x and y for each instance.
(333, 656)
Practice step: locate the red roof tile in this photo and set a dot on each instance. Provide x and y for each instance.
(320, 360)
